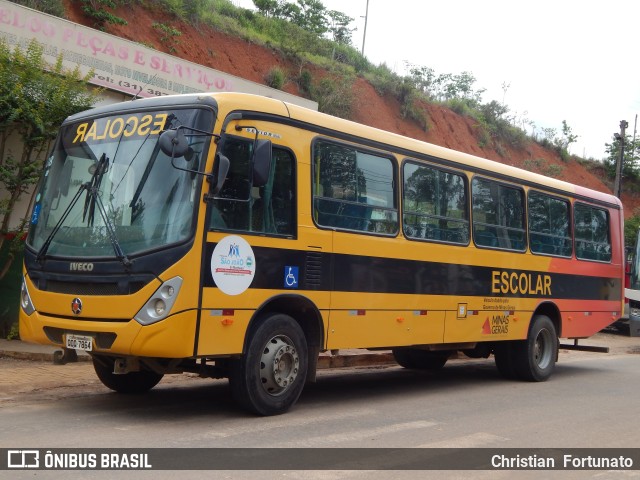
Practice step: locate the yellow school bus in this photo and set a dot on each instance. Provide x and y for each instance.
(239, 236)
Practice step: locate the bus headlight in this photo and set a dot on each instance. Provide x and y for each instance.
(25, 299)
(159, 305)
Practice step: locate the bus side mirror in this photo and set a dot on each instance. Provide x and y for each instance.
(219, 175)
(261, 162)
(173, 143)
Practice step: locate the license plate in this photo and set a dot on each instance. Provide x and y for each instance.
(79, 342)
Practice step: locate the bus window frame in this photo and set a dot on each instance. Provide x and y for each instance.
(525, 230)
(444, 169)
(365, 150)
(570, 218)
(294, 211)
(575, 239)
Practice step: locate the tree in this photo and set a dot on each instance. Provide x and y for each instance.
(561, 144)
(630, 167)
(339, 27)
(268, 8)
(310, 15)
(35, 98)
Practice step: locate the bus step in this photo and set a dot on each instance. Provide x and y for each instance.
(584, 348)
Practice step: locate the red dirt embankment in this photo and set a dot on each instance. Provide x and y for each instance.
(233, 55)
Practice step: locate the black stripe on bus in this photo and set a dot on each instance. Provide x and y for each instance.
(365, 274)
(267, 117)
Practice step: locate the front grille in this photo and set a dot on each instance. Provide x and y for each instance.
(104, 340)
(80, 318)
(86, 288)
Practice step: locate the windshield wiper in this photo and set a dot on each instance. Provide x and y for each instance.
(93, 198)
(92, 188)
(101, 167)
(111, 231)
(45, 246)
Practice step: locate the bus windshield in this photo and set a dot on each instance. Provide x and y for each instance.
(108, 183)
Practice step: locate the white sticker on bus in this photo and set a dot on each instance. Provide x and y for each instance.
(233, 265)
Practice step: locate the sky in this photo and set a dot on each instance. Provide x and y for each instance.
(559, 59)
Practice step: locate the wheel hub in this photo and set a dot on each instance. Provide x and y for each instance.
(279, 365)
(542, 350)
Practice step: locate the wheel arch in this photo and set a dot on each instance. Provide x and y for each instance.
(298, 307)
(304, 312)
(552, 311)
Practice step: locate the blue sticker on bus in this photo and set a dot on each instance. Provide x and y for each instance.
(290, 277)
(36, 213)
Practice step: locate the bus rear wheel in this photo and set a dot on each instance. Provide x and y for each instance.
(132, 382)
(503, 353)
(416, 359)
(534, 359)
(268, 379)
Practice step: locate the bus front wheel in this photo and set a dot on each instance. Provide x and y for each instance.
(270, 376)
(132, 382)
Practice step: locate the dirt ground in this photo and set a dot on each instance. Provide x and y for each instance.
(32, 381)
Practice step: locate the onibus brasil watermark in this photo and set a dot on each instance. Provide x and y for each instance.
(190, 458)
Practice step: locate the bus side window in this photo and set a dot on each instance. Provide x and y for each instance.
(549, 225)
(267, 209)
(592, 233)
(273, 208)
(435, 204)
(353, 189)
(498, 215)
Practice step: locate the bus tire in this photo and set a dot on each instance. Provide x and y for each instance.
(503, 356)
(268, 379)
(132, 382)
(535, 357)
(416, 359)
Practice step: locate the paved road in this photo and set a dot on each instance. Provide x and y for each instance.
(589, 402)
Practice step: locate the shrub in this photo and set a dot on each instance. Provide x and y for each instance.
(553, 170)
(334, 96)
(97, 9)
(304, 81)
(14, 332)
(275, 78)
(168, 35)
(534, 164)
(52, 7)
(411, 109)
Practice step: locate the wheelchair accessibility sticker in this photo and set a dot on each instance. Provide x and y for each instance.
(290, 277)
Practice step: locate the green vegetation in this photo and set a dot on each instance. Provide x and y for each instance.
(276, 78)
(34, 100)
(97, 9)
(168, 35)
(630, 167)
(631, 227)
(306, 33)
(33, 104)
(52, 7)
(14, 333)
(561, 143)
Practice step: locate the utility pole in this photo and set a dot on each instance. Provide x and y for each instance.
(364, 36)
(633, 145)
(617, 189)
